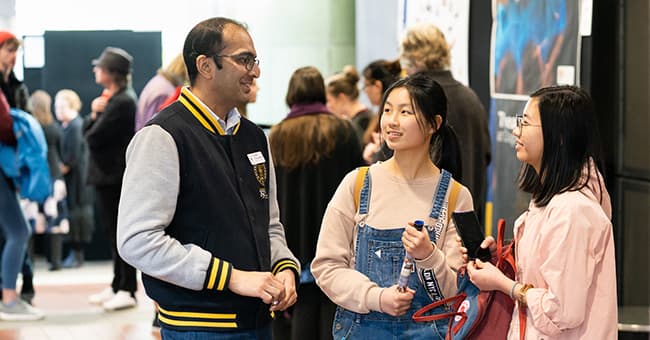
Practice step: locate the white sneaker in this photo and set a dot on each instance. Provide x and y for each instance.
(19, 310)
(101, 297)
(121, 300)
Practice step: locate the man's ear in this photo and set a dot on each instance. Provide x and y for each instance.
(204, 66)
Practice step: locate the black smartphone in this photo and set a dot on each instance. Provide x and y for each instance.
(470, 231)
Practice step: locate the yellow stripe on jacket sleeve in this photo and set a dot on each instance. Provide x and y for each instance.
(224, 275)
(218, 274)
(284, 264)
(212, 274)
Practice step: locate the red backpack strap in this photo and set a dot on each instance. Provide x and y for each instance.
(500, 257)
(454, 300)
(500, 239)
(522, 323)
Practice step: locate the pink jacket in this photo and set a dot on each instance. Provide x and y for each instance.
(566, 251)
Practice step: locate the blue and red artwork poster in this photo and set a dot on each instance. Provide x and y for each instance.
(535, 43)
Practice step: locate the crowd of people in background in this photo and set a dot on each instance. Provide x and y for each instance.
(336, 183)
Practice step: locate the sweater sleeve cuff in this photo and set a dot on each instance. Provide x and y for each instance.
(373, 299)
(435, 258)
(287, 264)
(218, 275)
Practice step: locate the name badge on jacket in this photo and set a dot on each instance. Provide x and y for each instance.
(259, 169)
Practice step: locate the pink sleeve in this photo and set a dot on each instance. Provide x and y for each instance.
(570, 237)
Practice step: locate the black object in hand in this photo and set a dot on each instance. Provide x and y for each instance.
(471, 232)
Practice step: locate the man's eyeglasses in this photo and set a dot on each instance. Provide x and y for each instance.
(247, 60)
(521, 122)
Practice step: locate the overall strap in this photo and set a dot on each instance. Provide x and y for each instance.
(362, 190)
(441, 192)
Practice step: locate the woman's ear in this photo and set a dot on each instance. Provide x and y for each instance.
(438, 121)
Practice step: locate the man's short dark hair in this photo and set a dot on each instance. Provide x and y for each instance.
(205, 38)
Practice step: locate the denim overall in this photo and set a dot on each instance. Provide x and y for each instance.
(379, 255)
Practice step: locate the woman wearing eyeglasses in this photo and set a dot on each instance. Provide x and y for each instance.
(565, 286)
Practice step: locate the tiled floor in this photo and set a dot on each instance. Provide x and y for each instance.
(63, 294)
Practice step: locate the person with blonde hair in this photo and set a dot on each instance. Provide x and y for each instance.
(158, 89)
(424, 48)
(52, 218)
(343, 99)
(73, 166)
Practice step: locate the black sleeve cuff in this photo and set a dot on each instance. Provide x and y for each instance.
(218, 275)
(287, 264)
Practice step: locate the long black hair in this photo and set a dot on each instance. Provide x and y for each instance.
(429, 99)
(571, 142)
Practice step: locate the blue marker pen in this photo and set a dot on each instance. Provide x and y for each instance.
(407, 265)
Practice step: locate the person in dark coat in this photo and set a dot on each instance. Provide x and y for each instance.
(313, 149)
(73, 166)
(108, 130)
(424, 48)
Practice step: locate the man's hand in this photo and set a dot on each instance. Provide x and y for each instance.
(288, 279)
(257, 284)
(98, 104)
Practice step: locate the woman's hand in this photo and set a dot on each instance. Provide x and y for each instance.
(488, 243)
(417, 242)
(488, 277)
(395, 303)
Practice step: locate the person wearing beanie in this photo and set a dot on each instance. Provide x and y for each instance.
(108, 130)
(15, 91)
